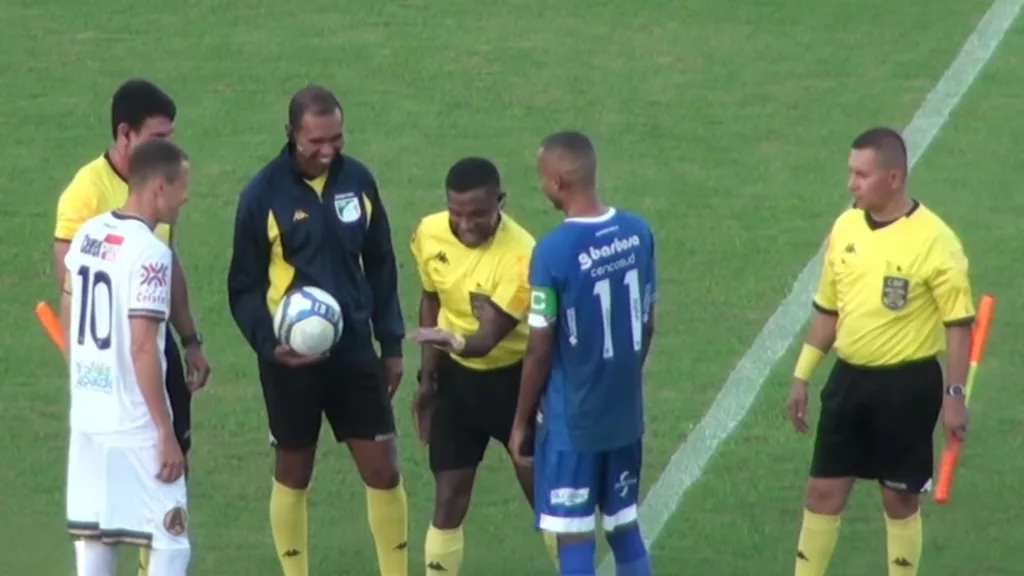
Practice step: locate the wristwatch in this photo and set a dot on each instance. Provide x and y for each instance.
(956, 390)
(192, 340)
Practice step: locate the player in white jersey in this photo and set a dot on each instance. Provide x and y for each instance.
(125, 481)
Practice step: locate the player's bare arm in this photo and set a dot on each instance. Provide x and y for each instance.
(495, 324)
(423, 401)
(60, 251)
(536, 366)
(146, 359)
(197, 366)
(65, 306)
(821, 335)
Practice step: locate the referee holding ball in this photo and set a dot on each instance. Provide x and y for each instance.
(894, 291)
(314, 217)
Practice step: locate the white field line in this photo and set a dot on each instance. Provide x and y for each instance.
(745, 381)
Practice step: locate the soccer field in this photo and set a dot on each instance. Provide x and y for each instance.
(725, 122)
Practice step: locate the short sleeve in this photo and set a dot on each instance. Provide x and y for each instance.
(825, 298)
(949, 282)
(543, 296)
(150, 289)
(77, 203)
(419, 238)
(512, 293)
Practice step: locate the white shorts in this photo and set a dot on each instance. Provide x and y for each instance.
(114, 495)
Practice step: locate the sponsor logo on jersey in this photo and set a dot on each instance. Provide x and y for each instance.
(154, 279)
(155, 274)
(569, 497)
(94, 376)
(105, 248)
(591, 256)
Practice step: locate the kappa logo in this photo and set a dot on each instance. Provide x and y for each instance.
(300, 214)
(436, 567)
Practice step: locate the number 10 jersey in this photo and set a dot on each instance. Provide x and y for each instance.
(117, 269)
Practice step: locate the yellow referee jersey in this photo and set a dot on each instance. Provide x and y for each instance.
(95, 189)
(464, 277)
(894, 286)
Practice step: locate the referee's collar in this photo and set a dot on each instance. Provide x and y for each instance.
(878, 224)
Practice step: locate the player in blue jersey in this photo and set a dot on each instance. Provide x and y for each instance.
(591, 324)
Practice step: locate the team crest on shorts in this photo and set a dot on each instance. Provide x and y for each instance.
(176, 521)
(895, 292)
(347, 207)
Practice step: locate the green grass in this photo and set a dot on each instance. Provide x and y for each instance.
(725, 122)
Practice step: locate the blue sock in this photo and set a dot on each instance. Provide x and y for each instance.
(577, 558)
(630, 553)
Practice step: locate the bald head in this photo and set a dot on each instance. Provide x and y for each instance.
(888, 146)
(573, 156)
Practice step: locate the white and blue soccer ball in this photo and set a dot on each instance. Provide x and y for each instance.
(308, 320)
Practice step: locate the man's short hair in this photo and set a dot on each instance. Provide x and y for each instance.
(473, 173)
(313, 99)
(155, 158)
(888, 145)
(577, 149)
(136, 101)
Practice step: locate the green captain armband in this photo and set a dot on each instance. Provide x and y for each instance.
(543, 307)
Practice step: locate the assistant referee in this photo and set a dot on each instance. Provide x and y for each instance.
(894, 279)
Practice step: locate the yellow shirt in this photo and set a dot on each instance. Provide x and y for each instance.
(96, 188)
(463, 277)
(893, 286)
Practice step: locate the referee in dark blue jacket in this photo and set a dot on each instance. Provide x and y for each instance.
(313, 216)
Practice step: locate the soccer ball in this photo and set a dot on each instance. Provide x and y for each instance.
(308, 320)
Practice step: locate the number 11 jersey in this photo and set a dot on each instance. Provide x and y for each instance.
(117, 269)
(593, 280)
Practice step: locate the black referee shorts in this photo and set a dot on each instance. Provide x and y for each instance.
(178, 394)
(878, 423)
(473, 406)
(353, 398)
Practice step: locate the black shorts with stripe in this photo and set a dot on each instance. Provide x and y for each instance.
(878, 424)
(353, 397)
(473, 407)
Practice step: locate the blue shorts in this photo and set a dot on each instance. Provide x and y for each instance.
(570, 487)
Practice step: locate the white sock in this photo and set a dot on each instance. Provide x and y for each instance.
(94, 558)
(173, 562)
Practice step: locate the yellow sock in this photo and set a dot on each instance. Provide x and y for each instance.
(818, 537)
(551, 543)
(143, 561)
(904, 539)
(388, 512)
(443, 551)
(289, 524)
